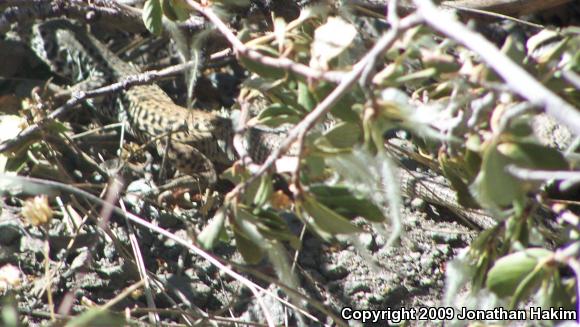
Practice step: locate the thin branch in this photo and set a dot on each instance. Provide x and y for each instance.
(243, 50)
(138, 79)
(543, 175)
(572, 77)
(466, 11)
(519, 80)
(325, 105)
(506, 7)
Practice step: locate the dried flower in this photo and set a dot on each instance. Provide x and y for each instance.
(37, 211)
(280, 200)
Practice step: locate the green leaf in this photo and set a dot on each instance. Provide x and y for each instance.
(313, 168)
(278, 114)
(152, 14)
(343, 201)
(305, 98)
(274, 227)
(236, 175)
(330, 40)
(257, 230)
(249, 240)
(533, 155)
(10, 127)
(211, 233)
(527, 286)
(261, 69)
(417, 76)
(325, 219)
(280, 31)
(520, 127)
(233, 3)
(174, 11)
(8, 311)
(389, 74)
(493, 185)
(515, 271)
(535, 42)
(560, 292)
(514, 49)
(339, 137)
(554, 52)
(264, 190)
(443, 63)
(55, 127)
(472, 162)
(343, 109)
(251, 253)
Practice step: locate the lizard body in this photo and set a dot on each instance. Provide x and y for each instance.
(199, 139)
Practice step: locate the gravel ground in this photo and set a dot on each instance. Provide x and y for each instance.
(99, 264)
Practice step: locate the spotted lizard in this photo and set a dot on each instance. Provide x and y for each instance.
(199, 140)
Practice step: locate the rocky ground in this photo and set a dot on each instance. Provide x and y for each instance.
(99, 264)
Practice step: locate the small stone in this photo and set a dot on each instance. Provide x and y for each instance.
(32, 245)
(380, 241)
(415, 255)
(418, 204)
(134, 191)
(334, 271)
(367, 240)
(445, 238)
(10, 233)
(376, 299)
(426, 261)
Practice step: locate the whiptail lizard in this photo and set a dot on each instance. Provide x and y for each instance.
(196, 136)
(200, 140)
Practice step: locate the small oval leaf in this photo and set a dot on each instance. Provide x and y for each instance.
(326, 219)
(508, 272)
(152, 14)
(251, 253)
(341, 136)
(261, 69)
(344, 202)
(264, 190)
(211, 233)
